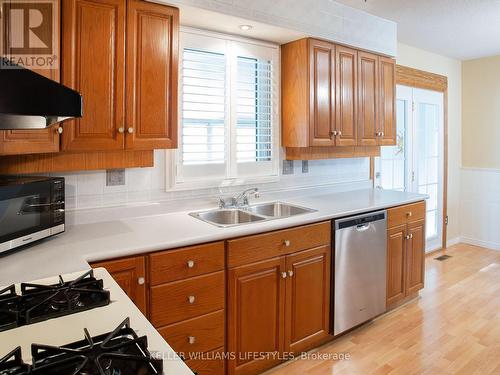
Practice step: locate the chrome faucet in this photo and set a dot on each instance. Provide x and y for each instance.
(239, 200)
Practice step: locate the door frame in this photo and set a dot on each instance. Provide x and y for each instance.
(430, 81)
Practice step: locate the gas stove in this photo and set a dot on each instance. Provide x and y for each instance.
(120, 352)
(38, 302)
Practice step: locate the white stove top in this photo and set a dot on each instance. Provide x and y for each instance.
(67, 329)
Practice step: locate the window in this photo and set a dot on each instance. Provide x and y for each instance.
(228, 111)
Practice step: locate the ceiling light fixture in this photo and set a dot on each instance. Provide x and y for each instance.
(246, 27)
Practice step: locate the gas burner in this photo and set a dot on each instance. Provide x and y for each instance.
(39, 302)
(120, 352)
(12, 363)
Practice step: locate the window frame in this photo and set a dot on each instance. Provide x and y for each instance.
(230, 45)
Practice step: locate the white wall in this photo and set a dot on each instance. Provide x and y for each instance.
(451, 68)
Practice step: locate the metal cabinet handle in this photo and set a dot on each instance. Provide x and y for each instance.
(283, 275)
(191, 299)
(339, 133)
(121, 130)
(411, 236)
(130, 130)
(191, 340)
(333, 132)
(59, 130)
(141, 281)
(290, 273)
(286, 243)
(407, 237)
(382, 134)
(409, 214)
(190, 263)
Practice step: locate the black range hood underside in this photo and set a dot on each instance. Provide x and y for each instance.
(31, 101)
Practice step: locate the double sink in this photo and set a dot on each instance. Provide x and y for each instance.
(228, 217)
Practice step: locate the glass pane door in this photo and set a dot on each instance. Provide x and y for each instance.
(415, 164)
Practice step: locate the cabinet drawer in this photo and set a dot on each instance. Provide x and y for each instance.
(180, 264)
(211, 363)
(405, 214)
(199, 334)
(180, 300)
(268, 245)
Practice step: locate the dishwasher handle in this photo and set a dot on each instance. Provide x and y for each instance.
(361, 222)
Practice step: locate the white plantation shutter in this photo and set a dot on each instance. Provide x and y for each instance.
(254, 131)
(229, 110)
(203, 107)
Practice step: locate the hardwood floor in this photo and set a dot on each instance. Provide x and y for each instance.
(453, 328)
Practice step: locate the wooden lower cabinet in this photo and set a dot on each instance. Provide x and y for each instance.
(256, 298)
(130, 274)
(405, 252)
(211, 363)
(307, 307)
(278, 305)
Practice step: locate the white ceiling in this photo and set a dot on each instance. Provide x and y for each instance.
(462, 29)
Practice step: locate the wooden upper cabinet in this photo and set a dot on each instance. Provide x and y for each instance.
(416, 257)
(93, 63)
(307, 307)
(152, 53)
(387, 114)
(34, 141)
(346, 83)
(368, 91)
(130, 275)
(256, 295)
(322, 81)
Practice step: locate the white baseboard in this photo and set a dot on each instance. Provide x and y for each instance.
(453, 241)
(481, 243)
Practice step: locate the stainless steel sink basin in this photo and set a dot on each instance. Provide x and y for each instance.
(278, 209)
(227, 217)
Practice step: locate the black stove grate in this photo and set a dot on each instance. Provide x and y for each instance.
(12, 363)
(41, 302)
(119, 352)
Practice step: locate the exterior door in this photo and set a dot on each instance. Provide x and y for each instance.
(93, 63)
(322, 117)
(346, 81)
(307, 311)
(152, 52)
(256, 300)
(416, 163)
(368, 86)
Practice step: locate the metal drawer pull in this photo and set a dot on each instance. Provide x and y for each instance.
(121, 130)
(290, 273)
(190, 263)
(339, 133)
(286, 243)
(191, 340)
(191, 299)
(334, 132)
(409, 214)
(141, 281)
(283, 275)
(130, 130)
(59, 130)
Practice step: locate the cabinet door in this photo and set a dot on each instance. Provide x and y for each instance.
(130, 274)
(307, 307)
(322, 87)
(256, 299)
(346, 80)
(152, 52)
(368, 92)
(93, 63)
(415, 257)
(34, 141)
(387, 117)
(396, 264)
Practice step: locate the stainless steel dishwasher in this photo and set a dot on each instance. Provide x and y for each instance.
(360, 269)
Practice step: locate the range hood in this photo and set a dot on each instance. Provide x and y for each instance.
(31, 101)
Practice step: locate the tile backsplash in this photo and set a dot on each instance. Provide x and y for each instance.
(88, 189)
